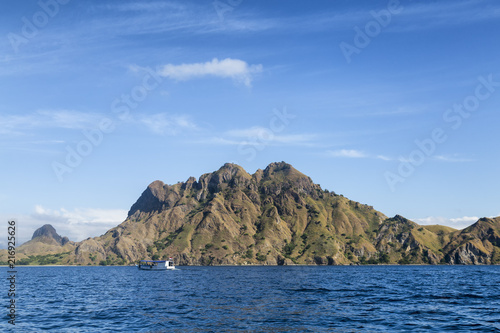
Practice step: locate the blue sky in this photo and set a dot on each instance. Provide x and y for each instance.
(390, 103)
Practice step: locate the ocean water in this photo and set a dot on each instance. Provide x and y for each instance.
(256, 299)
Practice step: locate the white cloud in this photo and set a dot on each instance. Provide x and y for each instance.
(457, 223)
(220, 141)
(353, 153)
(164, 124)
(79, 223)
(235, 69)
(348, 153)
(262, 134)
(384, 158)
(452, 159)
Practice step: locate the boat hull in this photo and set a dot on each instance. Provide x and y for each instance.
(156, 265)
(149, 268)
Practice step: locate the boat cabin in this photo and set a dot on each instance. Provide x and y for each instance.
(156, 265)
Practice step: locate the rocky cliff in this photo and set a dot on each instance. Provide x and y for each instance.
(276, 216)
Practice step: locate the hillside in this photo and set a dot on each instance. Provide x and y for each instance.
(276, 216)
(477, 244)
(45, 247)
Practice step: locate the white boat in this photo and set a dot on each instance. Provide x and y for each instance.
(156, 265)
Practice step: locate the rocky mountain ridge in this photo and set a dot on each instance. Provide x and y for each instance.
(276, 216)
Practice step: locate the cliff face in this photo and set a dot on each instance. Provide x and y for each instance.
(277, 216)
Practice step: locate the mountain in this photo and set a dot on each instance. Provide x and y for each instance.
(276, 216)
(48, 235)
(477, 244)
(45, 247)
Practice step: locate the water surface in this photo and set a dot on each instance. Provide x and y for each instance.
(265, 299)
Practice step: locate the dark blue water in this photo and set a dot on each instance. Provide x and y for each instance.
(265, 299)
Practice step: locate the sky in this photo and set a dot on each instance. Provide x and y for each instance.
(390, 103)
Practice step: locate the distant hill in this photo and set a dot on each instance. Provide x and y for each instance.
(276, 216)
(45, 247)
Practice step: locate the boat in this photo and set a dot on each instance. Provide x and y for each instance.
(156, 265)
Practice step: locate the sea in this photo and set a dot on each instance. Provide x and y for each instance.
(255, 299)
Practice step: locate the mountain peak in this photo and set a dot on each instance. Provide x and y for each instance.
(279, 166)
(47, 234)
(231, 170)
(46, 230)
(283, 174)
(283, 170)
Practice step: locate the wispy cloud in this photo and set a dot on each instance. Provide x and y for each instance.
(353, 153)
(384, 158)
(349, 153)
(152, 17)
(452, 159)
(235, 69)
(258, 133)
(457, 223)
(442, 158)
(217, 140)
(159, 123)
(67, 119)
(419, 16)
(414, 16)
(124, 23)
(164, 124)
(260, 136)
(144, 6)
(398, 111)
(185, 17)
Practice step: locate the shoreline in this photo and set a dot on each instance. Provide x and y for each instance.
(367, 265)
